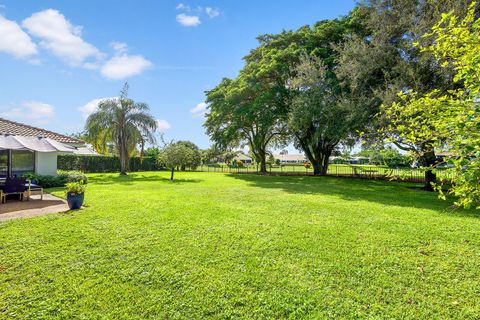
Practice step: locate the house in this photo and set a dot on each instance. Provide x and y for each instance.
(290, 158)
(25, 148)
(243, 158)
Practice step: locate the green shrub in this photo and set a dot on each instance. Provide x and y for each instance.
(60, 180)
(75, 187)
(90, 164)
(72, 176)
(50, 181)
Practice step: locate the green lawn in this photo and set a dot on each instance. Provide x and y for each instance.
(242, 246)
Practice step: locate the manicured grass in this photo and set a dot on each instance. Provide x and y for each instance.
(241, 246)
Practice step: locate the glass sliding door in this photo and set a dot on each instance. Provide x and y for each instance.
(23, 161)
(4, 163)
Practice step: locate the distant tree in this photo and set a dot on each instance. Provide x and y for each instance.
(245, 111)
(386, 155)
(229, 155)
(195, 158)
(123, 122)
(176, 155)
(211, 155)
(152, 152)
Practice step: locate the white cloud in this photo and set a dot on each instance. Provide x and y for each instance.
(199, 108)
(119, 47)
(163, 125)
(14, 41)
(91, 106)
(182, 6)
(34, 111)
(212, 12)
(188, 21)
(60, 37)
(123, 66)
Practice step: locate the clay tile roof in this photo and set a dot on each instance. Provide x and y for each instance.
(20, 129)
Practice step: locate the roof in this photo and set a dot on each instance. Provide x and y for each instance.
(290, 157)
(242, 157)
(20, 129)
(85, 151)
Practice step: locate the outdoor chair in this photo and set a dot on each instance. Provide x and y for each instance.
(31, 188)
(14, 186)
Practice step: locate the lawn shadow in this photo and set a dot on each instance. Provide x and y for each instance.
(109, 178)
(175, 180)
(131, 178)
(384, 192)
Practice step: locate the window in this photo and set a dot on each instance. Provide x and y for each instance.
(3, 162)
(23, 161)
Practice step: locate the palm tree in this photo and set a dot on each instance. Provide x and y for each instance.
(124, 123)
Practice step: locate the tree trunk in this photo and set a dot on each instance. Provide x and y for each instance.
(316, 168)
(263, 161)
(320, 163)
(429, 160)
(123, 155)
(171, 176)
(123, 162)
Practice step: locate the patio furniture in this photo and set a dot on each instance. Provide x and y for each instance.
(14, 186)
(33, 188)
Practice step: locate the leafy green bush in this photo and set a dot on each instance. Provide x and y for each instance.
(75, 187)
(62, 178)
(72, 176)
(50, 181)
(104, 163)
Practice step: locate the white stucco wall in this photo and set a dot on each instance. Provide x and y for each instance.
(46, 163)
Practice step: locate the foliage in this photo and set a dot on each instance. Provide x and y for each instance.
(195, 158)
(72, 176)
(207, 248)
(91, 164)
(75, 188)
(152, 152)
(62, 178)
(124, 123)
(248, 110)
(179, 155)
(212, 155)
(455, 114)
(385, 60)
(388, 156)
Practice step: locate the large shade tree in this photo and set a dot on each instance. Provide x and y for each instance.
(386, 60)
(246, 111)
(124, 123)
(253, 109)
(322, 113)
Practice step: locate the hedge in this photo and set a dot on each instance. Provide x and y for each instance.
(104, 163)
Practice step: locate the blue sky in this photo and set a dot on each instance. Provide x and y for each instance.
(58, 57)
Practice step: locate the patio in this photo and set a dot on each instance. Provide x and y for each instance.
(13, 209)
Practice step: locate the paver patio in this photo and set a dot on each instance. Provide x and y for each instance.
(35, 207)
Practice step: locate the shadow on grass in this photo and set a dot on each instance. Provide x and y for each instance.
(175, 180)
(131, 178)
(387, 193)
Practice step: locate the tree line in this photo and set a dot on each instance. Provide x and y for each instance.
(391, 72)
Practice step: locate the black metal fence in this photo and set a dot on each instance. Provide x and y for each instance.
(354, 171)
(93, 164)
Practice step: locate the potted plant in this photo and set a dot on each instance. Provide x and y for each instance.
(75, 194)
